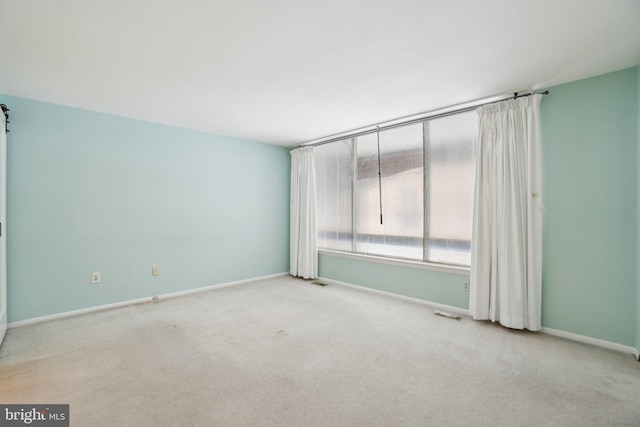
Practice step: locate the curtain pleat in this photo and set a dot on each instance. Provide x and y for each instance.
(303, 244)
(506, 248)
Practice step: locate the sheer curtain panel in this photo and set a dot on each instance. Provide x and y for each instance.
(506, 250)
(303, 244)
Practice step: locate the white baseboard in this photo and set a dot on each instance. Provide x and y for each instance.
(73, 313)
(449, 308)
(456, 310)
(593, 341)
(221, 285)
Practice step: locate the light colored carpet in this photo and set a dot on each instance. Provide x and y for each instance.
(283, 352)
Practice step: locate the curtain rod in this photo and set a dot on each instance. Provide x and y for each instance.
(5, 111)
(415, 118)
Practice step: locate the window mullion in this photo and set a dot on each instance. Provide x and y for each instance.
(425, 189)
(354, 171)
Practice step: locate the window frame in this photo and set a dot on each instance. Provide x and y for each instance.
(423, 263)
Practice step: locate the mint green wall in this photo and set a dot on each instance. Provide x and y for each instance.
(94, 192)
(590, 138)
(589, 132)
(435, 286)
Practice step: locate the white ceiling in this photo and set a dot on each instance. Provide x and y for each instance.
(289, 71)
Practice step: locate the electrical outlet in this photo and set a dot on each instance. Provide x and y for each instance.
(95, 277)
(466, 286)
(155, 271)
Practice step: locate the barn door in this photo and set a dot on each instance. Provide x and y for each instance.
(3, 228)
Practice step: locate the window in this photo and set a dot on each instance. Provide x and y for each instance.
(450, 154)
(401, 232)
(333, 192)
(425, 191)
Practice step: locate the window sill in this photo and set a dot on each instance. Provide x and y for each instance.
(400, 262)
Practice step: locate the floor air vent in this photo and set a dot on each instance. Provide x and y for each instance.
(446, 314)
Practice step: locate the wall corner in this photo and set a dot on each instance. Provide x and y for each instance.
(638, 214)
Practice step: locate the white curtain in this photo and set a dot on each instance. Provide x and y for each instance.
(506, 249)
(304, 244)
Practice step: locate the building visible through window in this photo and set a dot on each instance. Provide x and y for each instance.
(427, 171)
